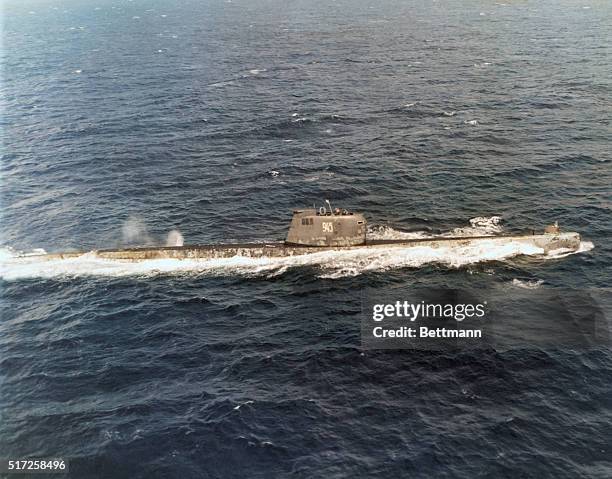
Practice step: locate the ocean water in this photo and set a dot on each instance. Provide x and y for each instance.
(125, 120)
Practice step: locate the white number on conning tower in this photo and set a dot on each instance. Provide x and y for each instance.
(328, 227)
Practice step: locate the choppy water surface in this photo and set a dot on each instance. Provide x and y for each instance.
(124, 120)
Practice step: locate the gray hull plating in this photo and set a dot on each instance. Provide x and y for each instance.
(546, 242)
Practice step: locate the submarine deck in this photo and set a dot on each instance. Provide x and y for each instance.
(545, 241)
(284, 244)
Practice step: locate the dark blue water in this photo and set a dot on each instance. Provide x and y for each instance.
(217, 118)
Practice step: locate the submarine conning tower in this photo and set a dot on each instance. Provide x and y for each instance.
(323, 227)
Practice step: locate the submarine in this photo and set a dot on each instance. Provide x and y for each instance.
(315, 230)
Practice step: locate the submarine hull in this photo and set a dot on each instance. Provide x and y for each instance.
(545, 242)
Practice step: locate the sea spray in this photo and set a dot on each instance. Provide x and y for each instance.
(175, 238)
(479, 226)
(134, 232)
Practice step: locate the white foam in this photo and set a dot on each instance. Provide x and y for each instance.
(564, 252)
(334, 264)
(479, 226)
(236, 408)
(352, 263)
(471, 122)
(384, 232)
(486, 221)
(525, 284)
